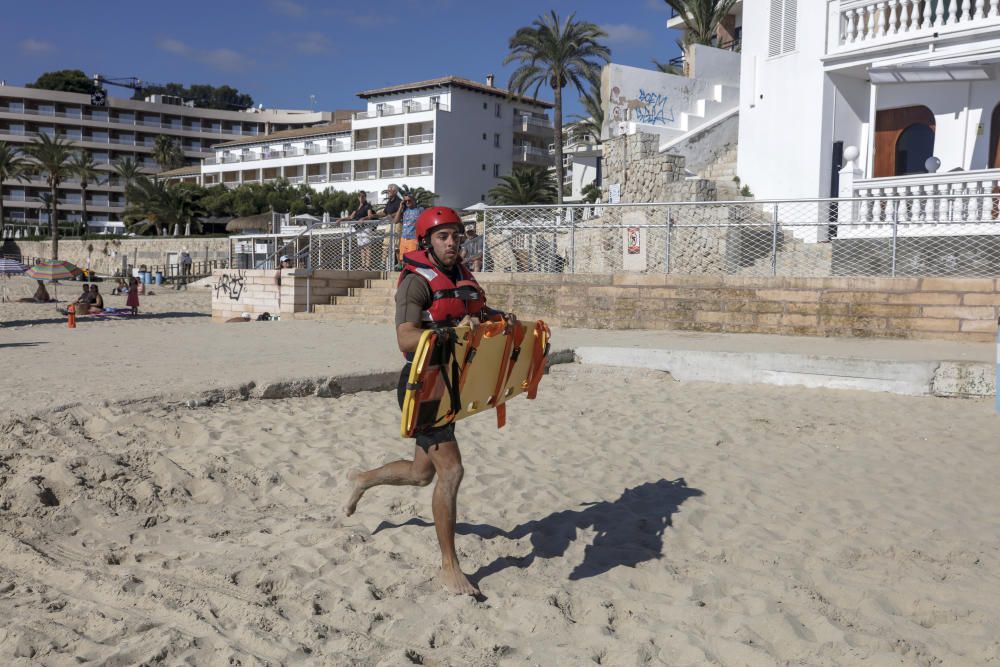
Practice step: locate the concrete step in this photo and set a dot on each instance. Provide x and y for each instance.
(363, 300)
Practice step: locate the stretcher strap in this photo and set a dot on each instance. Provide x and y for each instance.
(538, 361)
(446, 353)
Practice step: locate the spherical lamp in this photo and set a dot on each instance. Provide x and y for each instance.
(932, 164)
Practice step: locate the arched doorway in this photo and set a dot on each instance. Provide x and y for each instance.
(890, 124)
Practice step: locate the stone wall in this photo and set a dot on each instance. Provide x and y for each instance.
(106, 256)
(278, 292)
(646, 175)
(917, 308)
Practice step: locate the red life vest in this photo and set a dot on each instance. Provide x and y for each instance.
(450, 301)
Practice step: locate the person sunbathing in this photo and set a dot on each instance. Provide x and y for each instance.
(41, 295)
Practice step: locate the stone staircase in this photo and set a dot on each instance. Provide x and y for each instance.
(721, 172)
(374, 302)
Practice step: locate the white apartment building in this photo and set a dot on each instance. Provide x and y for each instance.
(451, 136)
(582, 155)
(893, 81)
(116, 129)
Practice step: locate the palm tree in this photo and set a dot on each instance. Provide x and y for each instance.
(84, 167)
(167, 153)
(667, 68)
(422, 196)
(702, 18)
(52, 156)
(593, 122)
(524, 186)
(591, 193)
(127, 169)
(557, 53)
(13, 165)
(149, 203)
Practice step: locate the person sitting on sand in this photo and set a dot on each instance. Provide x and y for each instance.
(41, 295)
(439, 234)
(93, 304)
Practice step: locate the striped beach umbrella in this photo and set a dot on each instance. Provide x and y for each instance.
(54, 269)
(11, 267)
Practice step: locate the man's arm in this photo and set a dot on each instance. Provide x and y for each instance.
(408, 337)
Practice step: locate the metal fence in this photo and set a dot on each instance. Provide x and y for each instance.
(954, 235)
(348, 246)
(948, 235)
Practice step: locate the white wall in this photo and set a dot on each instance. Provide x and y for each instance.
(782, 146)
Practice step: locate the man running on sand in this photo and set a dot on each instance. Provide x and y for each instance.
(435, 290)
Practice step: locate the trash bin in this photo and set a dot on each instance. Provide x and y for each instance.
(159, 278)
(144, 276)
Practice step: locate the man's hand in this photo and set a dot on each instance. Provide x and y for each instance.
(471, 322)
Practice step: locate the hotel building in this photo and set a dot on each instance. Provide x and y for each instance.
(449, 135)
(119, 128)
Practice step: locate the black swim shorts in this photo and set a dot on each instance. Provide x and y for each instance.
(431, 436)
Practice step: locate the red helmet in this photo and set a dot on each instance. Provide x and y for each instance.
(436, 216)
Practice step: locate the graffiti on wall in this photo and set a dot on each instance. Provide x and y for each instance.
(231, 285)
(648, 107)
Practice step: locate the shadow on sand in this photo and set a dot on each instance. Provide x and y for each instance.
(629, 530)
(2, 345)
(98, 319)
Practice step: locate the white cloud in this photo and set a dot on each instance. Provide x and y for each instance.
(312, 43)
(287, 7)
(35, 46)
(223, 59)
(623, 33)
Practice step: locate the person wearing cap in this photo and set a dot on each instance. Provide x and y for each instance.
(435, 290)
(284, 262)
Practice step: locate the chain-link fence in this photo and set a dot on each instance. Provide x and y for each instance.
(955, 235)
(369, 246)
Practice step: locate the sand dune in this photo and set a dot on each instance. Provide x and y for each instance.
(620, 519)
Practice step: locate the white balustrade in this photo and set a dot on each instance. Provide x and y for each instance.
(864, 22)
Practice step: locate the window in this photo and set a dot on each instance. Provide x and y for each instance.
(782, 27)
(485, 106)
(484, 167)
(435, 100)
(496, 171)
(484, 136)
(497, 113)
(496, 140)
(379, 108)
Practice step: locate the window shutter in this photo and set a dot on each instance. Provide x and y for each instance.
(774, 31)
(789, 29)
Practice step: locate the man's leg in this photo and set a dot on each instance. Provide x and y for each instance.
(447, 460)
(418, 472)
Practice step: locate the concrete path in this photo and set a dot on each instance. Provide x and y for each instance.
(49, 365)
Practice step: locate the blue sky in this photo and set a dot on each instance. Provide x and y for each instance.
(283, 51)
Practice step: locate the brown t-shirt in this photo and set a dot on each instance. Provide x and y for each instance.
(412, 298)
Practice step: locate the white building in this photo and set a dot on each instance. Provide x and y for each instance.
(113, 130)
(899, 80)
(582, 156)
(449, 135)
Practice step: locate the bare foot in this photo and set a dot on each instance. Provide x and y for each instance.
(456, 582)
(357, 490)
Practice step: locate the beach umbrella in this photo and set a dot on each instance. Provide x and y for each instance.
(10, 267)
(54, 270)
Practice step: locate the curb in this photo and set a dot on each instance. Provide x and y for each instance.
(958, 379)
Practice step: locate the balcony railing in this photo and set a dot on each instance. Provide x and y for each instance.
(392, 141)
(392, 173)
(317, 178)
(422, 170)
(365, 175)
(145, 122)
(532, 154)
(296, 179)
(340, 177)
(413, 107)
(864, 23)
(532, 120)
(366, 144)
(420, 138)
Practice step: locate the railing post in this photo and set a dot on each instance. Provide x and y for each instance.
(572, 245)
(487, 266)
(895, 230)
(774, 242)
(666, 256)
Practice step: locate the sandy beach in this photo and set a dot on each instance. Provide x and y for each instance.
(621, 518)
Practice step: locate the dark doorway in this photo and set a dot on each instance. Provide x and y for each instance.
(995, 138)
(914, 146)
(836, 164)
